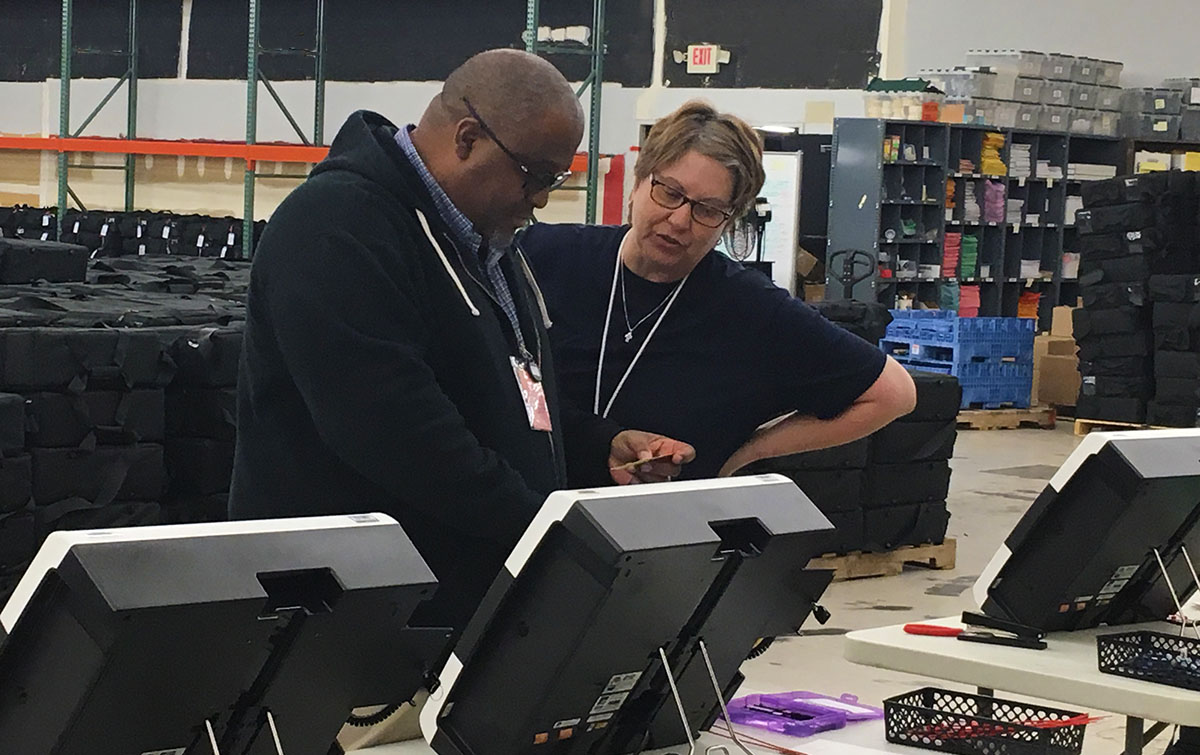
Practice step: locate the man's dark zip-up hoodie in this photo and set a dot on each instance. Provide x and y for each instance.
(375, 374)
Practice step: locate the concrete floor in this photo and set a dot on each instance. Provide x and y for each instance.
(997, 474)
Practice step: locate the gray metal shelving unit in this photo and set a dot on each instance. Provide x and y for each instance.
(870, 198)
(896, 211)
(254, 74)
(592, 85)
(67, 52)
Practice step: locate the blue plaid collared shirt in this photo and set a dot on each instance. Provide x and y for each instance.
(464, 234)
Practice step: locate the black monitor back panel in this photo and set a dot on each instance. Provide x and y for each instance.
(1083, 555)
(567, 661)
(137, 644)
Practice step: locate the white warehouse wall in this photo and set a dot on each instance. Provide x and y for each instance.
(1156, 39)
(1147, 36)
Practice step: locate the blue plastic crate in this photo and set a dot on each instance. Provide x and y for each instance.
(922, 314)
(919, 364)
(956, 356)
(962, 339)
(995, 394)
(944, 326)
(912, 349)
(906, 323)
(994, 369)
(987, 384)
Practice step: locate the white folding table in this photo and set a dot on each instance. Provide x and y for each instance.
(867, 735)
(1066, 672)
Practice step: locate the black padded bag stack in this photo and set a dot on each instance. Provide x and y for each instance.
(1138, 242)
(834, 479)
(889, 489)
(906, 503)
(110, 380)
(32, 223)
(1176, 401)
(909, 476)
(18, 536)
(202, 423)
(132, 234)
(28, 261)
(867, 320)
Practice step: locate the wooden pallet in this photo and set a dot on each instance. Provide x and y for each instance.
(1085, 426)
(859, 564)
(1007, 419)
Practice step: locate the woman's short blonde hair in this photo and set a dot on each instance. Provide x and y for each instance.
(725, 138)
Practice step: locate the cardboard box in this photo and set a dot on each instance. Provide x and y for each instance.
(1057, 346)
(1056, 381)
(1060, 323)
(814, 292)
(1055, 369)
(806, 262)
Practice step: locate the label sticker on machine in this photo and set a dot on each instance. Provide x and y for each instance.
(622, 682)
(608, 703)
(601, 717)
(1113, 587)
(1117, 581)
(565, 723)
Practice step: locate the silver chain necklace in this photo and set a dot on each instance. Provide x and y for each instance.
(625, 308)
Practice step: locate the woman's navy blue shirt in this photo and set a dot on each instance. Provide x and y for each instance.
(733, 352)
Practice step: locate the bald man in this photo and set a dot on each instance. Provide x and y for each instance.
(396, 356)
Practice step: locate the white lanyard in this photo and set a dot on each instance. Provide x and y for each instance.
(612, 297)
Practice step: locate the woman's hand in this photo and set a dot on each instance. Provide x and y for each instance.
(638, 456)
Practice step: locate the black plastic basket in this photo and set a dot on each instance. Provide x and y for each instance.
(1152, 657)
(938, 719)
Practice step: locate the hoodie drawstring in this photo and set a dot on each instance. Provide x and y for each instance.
(537, 290)
(446, 263)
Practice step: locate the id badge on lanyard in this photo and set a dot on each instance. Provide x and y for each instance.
(533, 393)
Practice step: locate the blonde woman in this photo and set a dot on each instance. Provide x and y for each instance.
(652, 328)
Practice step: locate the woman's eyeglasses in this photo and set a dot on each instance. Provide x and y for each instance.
(670, 198)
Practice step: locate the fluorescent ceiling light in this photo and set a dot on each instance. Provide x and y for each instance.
(777, 129)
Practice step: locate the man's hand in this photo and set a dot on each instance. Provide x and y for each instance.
(631, 446)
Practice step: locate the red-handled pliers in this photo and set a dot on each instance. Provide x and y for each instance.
(933, 630)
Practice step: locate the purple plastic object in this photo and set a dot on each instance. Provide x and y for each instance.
(798, 718)
(811, 701)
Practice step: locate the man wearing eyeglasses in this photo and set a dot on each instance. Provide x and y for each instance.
(396, 354)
